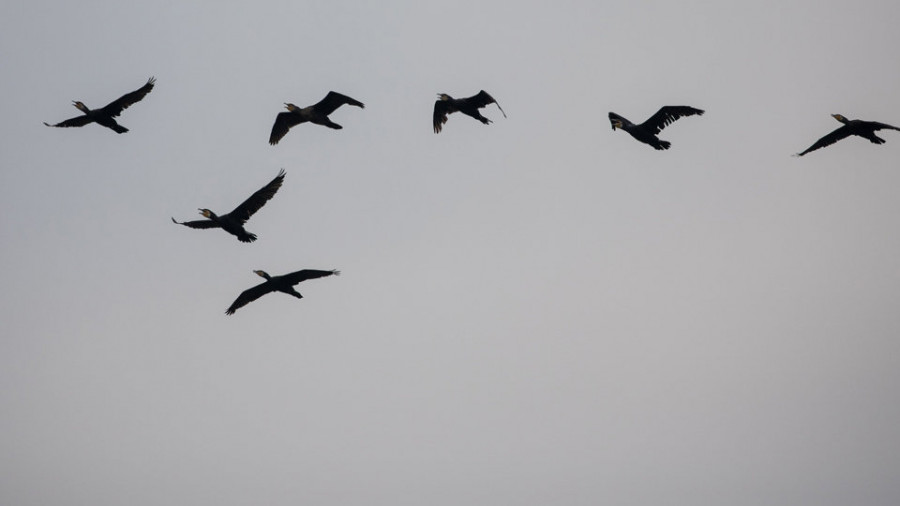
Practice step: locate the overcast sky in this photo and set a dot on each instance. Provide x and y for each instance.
(539, 311)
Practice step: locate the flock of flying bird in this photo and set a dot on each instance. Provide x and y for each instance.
(234, 221)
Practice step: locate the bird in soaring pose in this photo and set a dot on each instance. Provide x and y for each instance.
(647, 131)
(283, 284)
(469, 106)
(317, 114)
(233, 222)
(106, 115)
(864, 129)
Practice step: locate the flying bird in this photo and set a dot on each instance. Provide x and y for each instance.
(233, 222)
(283, 284)
(105, 116)
(647, 131)
(864, 129)
(446, 105)
(317, 114)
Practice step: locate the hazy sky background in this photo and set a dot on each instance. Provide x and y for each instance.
(540, 311)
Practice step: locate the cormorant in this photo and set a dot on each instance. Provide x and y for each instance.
(317, 114)
(647, 131)
(864, 129)
(105, 115)
(284, 284)
(233, 222)
(446, 105)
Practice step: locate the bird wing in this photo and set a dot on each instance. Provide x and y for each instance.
(482, 99)
(296, 277)
(116, 107)
(283, 122)
(667, 115)
(77, 121)
(198, 223)
(441, 110)
(829, 139)
(259, 198)
(333, 100)
(249, 295)
(882, 126)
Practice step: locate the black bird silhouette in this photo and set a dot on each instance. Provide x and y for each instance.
(469, 106)
(864, 129)
(647, 131)
(106, 115)
(317, 114)
(284, 284)
(233, 222)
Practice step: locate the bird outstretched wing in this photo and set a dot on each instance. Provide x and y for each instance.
(441, 110)
(829, 139)
(667, 115)
(259, 198)
(296, 277)
(248, 296)
(283, 122)
(334, 100)
(483, 99)
(199, 224)
(882, 126)
(77, 121)
(116, 107)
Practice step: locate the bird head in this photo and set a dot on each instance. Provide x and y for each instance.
(616, 121)
(445, 97)
(262, 274)
(80, 106)
(291, 107)
(839, 117)
(207, 213)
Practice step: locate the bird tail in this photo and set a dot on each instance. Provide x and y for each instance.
(119, 129)
(247, 237)
(663, 145)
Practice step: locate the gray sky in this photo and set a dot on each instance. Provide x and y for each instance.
(539, 311)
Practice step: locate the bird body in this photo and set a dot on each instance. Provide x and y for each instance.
(648, 131)
(283, 284)
(317, 114)
(105, 116)
(233, 222)
(864, 129)
(446, 105)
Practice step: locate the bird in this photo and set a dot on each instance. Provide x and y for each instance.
(864, 129)
(233, 222)
(105, 116)
(469, 106)
(647, 131)
(317, 114)
(283, 284)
